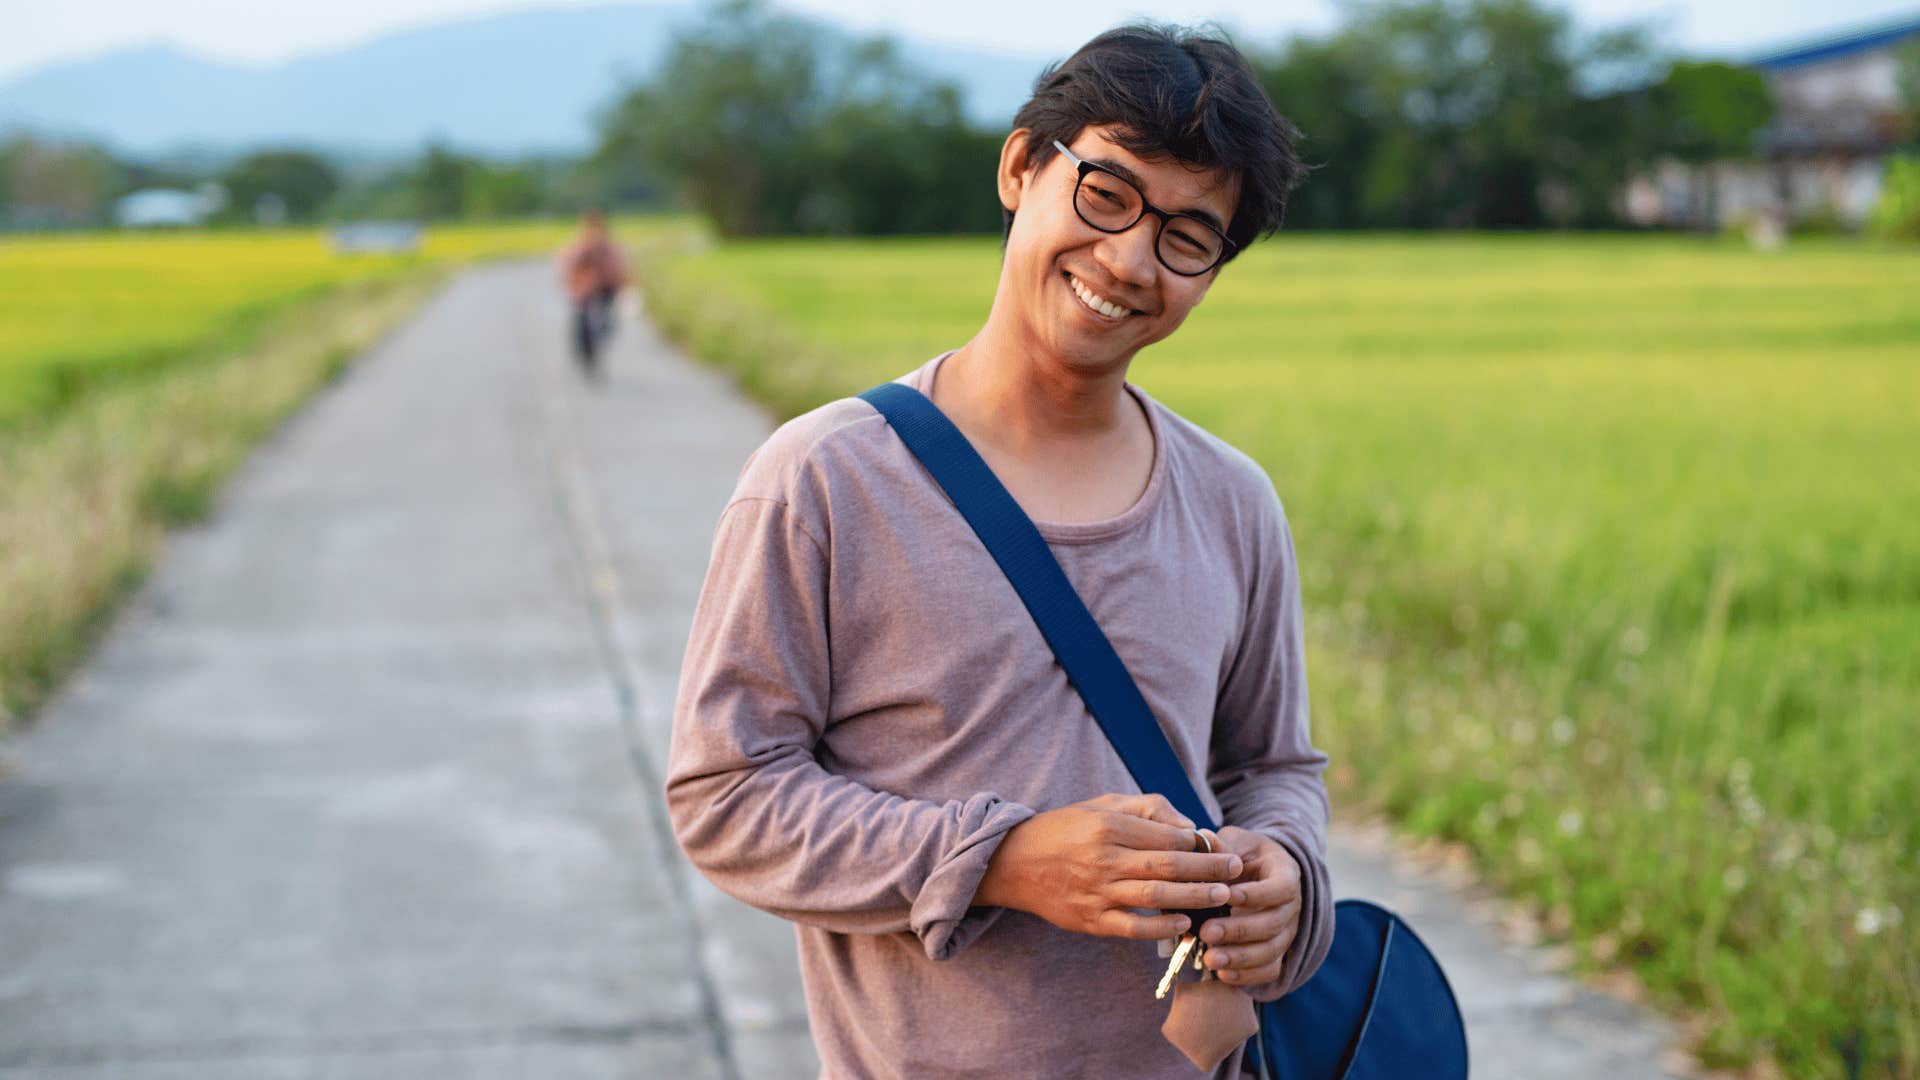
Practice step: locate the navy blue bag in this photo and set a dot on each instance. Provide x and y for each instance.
(1379, 1006)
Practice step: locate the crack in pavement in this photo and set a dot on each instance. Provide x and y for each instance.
(600, 573)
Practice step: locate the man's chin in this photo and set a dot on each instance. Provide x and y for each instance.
(1091, 354)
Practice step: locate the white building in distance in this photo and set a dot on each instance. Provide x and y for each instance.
(1837, 103)
(151, 208)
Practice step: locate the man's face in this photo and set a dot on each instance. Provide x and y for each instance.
(1053, 256)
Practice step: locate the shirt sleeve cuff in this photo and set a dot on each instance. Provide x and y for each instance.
(944, 916)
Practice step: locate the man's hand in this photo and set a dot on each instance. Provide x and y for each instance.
(1084, 867)
(1246, 947)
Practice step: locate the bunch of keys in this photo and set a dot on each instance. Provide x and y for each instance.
(1188, 945)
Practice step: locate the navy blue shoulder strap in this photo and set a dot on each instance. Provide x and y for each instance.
(1013, 541)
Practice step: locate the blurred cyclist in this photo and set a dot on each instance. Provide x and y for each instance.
(594, 270)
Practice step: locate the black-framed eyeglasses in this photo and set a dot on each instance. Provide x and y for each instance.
(1111, 203)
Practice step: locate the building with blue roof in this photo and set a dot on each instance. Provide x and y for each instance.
(1839, 109)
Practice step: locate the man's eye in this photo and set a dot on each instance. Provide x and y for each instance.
(1188, 241)
(1105, 196)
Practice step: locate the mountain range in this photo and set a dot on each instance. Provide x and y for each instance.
(517, 83)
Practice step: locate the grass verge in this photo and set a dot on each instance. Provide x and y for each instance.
(87, 495)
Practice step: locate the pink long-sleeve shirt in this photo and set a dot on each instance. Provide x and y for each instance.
(866, 708)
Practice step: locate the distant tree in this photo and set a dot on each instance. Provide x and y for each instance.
(1699, 113)
(440, 184)
(445, 185)
(770, 123)
(623, 164)
(1710, 110)
(898, 157)
(1906, 67)
(135, 175)
(1456, 113)
(1323, 87)
(1897, 213)
(9, 154)
(728, 116)
(1483, 97)
(50, 183)
(497, 191)
(300, 181)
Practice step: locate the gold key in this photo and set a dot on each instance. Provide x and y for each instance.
(1187, 946)
(1181, 950)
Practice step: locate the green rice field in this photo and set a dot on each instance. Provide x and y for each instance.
(80, 311)
(1612, 556)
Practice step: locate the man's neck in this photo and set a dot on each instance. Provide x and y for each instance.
(1026, 402)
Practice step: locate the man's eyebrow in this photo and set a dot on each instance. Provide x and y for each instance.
(1133, 178)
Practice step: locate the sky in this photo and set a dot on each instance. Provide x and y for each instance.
(42, 32)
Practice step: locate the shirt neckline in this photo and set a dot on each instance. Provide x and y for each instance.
(1081, 532)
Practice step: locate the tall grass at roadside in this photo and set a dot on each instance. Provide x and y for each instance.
(86, 499)
(1612, 559)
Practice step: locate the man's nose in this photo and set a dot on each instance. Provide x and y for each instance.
(1128, 256)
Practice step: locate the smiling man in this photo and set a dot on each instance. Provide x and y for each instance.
(871, 737)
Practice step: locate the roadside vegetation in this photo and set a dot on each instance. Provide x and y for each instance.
(136, 372)
(1612, 560)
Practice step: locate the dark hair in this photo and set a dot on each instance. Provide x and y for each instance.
(1172, 92)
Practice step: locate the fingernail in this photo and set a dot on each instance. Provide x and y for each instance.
(1239, 896)
(1185, 923)
(1217, 894)
(1233, 865)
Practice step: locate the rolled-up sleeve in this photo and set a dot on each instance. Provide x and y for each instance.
(749, 800)
(1264, 768)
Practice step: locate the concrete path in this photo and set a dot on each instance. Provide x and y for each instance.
(366, 781)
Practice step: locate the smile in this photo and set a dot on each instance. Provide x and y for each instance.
(1096, 303)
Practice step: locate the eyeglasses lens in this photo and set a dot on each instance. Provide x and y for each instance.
(1110, 204)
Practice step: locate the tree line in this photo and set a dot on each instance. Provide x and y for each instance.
(769, 123)
(1415, 113)
(50, 183)
(1495, 114)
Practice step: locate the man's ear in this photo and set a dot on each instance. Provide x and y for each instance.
(1015, 162)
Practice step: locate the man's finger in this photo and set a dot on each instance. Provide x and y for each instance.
(1270, 886)
(1253, 977)
(1248, 957)
(1167, 895)
(1177, 866)
(1144, 834)
(1120, 923)
(1250, 925)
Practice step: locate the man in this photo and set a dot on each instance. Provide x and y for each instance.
(873, 740)
(593, 270)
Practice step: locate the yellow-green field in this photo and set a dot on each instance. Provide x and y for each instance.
(80, 311)
(135, 372)
(1612, 554)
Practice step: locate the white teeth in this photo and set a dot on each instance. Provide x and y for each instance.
(1097, 302)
